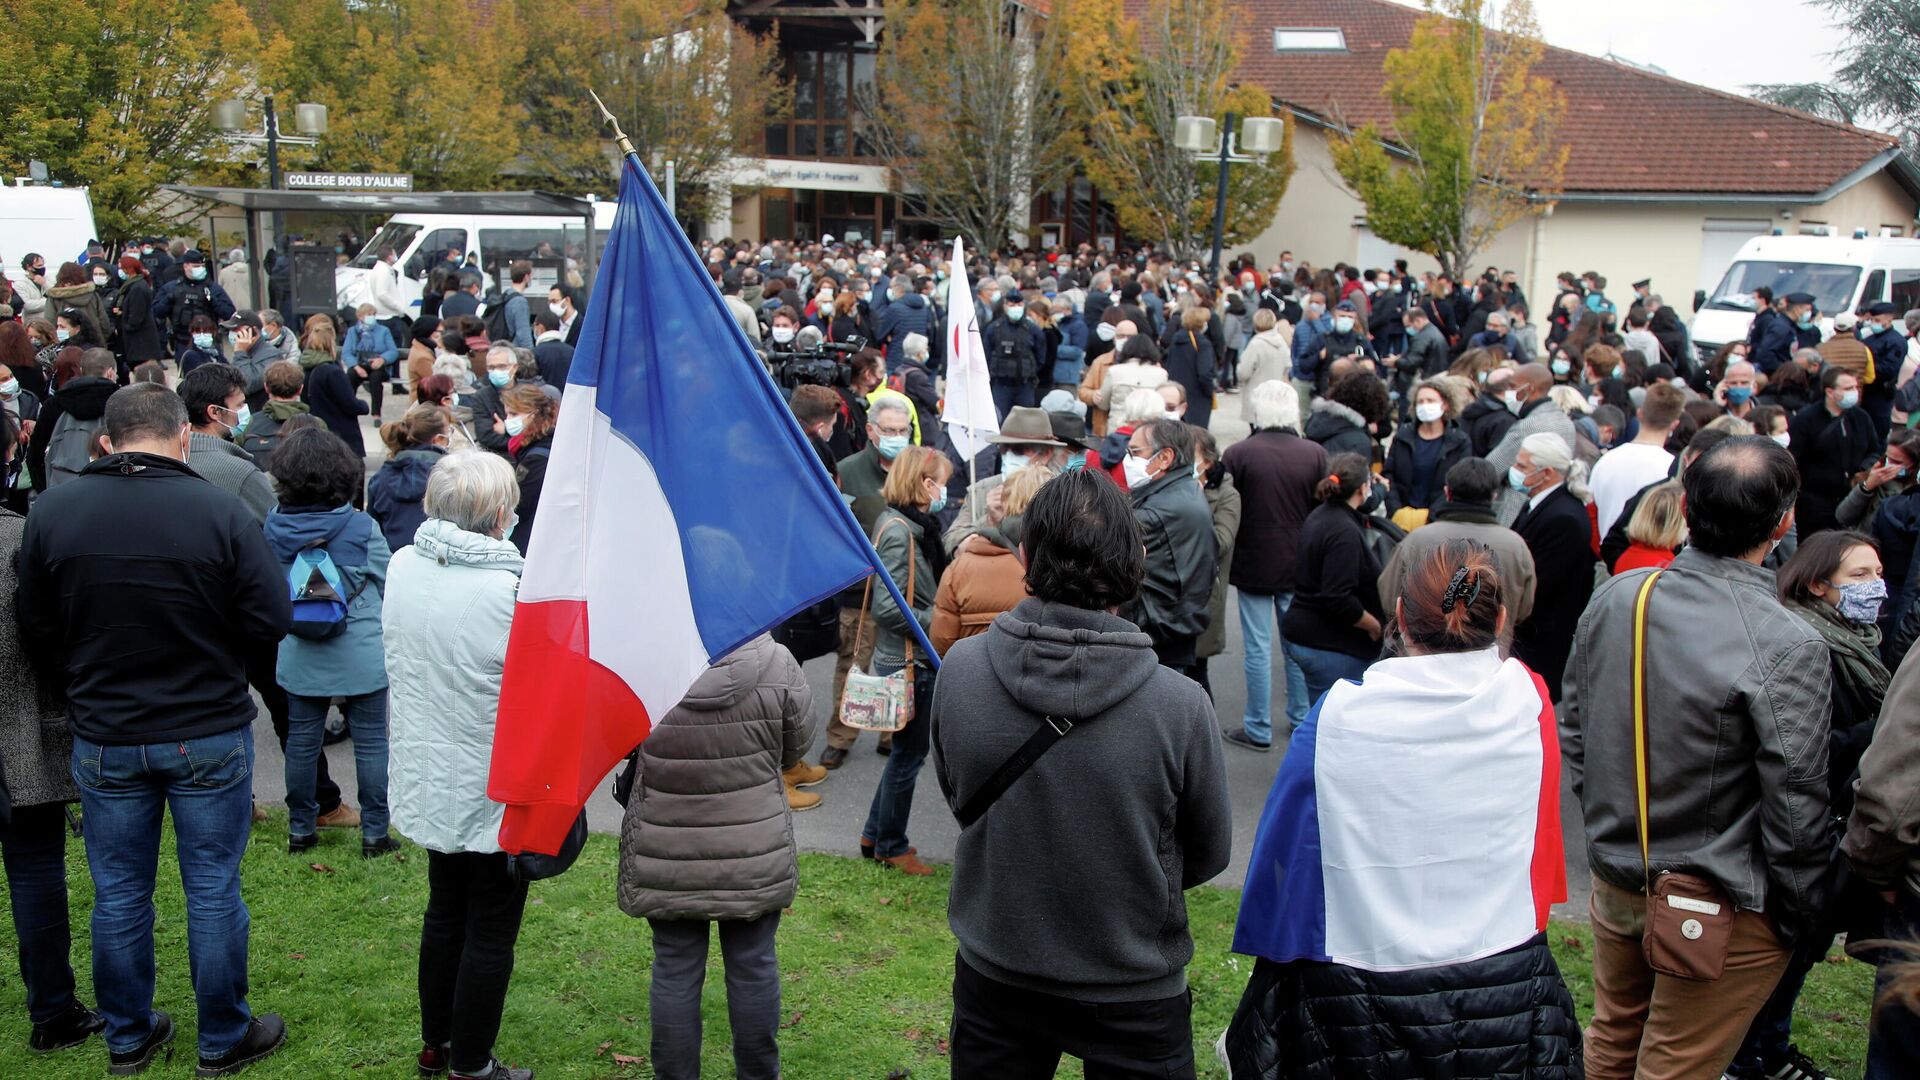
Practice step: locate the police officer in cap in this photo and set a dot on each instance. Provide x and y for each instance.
(1781, 336)
(192, 293)
(1889, 348)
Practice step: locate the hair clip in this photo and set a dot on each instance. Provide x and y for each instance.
(1462, 580)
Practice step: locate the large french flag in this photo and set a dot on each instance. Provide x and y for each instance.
(683, 514)
(1414, 822)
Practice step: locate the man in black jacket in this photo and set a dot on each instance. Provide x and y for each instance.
(1556, 529)
(151, 654)
(1178, 530)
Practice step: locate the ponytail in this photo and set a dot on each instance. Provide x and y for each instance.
(418, 426)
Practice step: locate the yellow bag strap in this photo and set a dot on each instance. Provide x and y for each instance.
(1640, 720)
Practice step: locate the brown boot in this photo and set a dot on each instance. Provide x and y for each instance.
(259, 815)
(798, 800)
(340, 817)
(908, 864)
(804, 775)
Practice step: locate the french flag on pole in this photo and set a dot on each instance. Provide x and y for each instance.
(1415, 821)
(683, 515)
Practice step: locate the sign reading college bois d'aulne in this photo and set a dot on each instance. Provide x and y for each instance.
(325, 181)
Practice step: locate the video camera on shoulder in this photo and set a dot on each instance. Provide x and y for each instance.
(814, 361)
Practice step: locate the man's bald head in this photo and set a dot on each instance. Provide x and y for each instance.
(1535, 377)
(1340, 369)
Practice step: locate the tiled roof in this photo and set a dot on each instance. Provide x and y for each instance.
(1629, 130)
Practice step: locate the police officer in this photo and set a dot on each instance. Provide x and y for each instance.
(1016, 347)
(1775, 342)
(193, 293)
(1889, 348)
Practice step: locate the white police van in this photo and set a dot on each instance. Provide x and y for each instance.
(1841, 273)
(488, 242)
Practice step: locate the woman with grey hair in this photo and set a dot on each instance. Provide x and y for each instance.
(449, 608)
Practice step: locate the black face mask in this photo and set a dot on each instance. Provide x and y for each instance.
(1216, 472)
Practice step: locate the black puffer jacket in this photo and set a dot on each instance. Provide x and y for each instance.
(1508, 1015)
(1177, 529)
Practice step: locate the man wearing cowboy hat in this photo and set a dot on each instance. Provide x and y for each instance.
(1026, 438)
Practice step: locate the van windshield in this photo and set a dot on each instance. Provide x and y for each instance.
(1831, 285)
(393, 232)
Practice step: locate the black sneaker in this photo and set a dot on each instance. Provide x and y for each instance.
(70, 1028)
(1244, 742)
(1796, 1066)
(265, 1034)
(299, 844)
(137, 1059)
(373, 849)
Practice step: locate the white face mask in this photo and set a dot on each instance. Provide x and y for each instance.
(783, 334)
(1138, 474)
(1428, 412)
(1511, 398)
(1175, 412)
(1784, 438)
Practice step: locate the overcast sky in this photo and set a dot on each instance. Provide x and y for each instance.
(1715, 43)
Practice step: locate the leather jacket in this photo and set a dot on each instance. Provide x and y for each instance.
(1177, 529)
(1736, 728)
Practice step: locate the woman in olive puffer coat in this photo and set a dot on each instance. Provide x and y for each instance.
(708, 838)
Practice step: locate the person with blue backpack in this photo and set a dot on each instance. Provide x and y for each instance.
(335, 561)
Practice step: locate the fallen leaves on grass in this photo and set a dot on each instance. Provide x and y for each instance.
(794, 1022)
(320, 867)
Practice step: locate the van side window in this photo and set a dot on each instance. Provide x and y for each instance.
(433, 250)
(548, 249)
(1906, 290)
(1876, 288)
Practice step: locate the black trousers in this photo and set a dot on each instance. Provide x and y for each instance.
(263, 662)
(1006, 1033)
(466, 952)
(376, 384)
(34, 848)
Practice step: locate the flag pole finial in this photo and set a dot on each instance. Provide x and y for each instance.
(620, 137)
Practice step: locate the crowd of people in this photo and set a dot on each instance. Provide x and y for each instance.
(1478, 551)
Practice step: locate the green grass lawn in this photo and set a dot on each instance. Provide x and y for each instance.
(867, 956)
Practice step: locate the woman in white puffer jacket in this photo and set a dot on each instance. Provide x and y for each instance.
(449, 610)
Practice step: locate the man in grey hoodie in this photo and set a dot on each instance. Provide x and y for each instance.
(1067, 892)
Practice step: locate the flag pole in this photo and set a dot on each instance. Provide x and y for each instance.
(793, 424)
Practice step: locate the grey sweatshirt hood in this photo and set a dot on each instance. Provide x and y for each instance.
(1068, 661)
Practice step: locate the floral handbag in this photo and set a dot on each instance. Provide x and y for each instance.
(879, 702)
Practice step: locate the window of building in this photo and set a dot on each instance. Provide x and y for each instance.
(1309, 39)
(828, 85)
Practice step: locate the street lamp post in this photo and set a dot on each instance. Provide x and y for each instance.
(1200, 135)
(310, 120)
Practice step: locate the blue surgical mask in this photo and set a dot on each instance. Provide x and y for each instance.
(1517, 478)
(367, 320)
(1342, 323)
(1849, 399)
(890, 445)
(196, 273)
(1016, 313)
(1011, 462)
(240, 418)
(500, 378)
(61, 333)
(203, 341)
(1619, 371)
(1860, 600)
(1561, 367)
(1870, 329)
(1739, 395)
(938, 504)
(233, 342)
(516, 424)
(1804, 324)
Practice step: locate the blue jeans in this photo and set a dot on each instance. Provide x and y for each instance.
(1893, 1039)
(306, 729)
(207, 783)
(34, 847)
(1258, 616)
(1323, 667)
(893, 797)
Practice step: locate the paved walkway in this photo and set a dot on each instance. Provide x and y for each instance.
(835, 825)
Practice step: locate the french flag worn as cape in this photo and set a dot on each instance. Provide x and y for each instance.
(683, 514)
(1415, 820)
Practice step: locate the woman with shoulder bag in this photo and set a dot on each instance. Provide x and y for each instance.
(908, 540)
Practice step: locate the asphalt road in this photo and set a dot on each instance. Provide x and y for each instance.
(834, 826)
